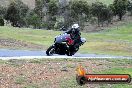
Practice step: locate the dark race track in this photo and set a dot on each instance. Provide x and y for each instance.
(41, 54)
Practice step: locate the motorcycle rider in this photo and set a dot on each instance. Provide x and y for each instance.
(76, 36)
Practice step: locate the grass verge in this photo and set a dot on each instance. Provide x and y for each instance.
(114, 41)
(59, 73)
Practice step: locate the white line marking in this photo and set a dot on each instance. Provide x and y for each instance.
(54, 57)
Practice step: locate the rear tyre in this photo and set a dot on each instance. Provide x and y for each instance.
(50, 51)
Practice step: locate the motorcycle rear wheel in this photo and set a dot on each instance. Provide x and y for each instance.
(50, 51)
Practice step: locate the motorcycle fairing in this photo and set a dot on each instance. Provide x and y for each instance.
(62, 38)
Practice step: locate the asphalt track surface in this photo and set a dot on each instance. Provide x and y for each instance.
(6, 54)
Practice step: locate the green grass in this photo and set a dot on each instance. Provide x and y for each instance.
(114, 41)
(20, 80)
(122, 33)
(15, 62)
(70, 81)
(116, 66)
(41, 37)
(120, 62)
(2, 61)
(118, 71)
(31, 86)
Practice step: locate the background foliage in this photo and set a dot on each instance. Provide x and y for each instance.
(53, 14)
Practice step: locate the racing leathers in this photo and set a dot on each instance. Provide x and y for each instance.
(76, 37)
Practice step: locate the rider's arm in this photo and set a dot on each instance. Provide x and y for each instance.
(69, 31)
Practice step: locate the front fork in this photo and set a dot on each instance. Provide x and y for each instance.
(73, 49)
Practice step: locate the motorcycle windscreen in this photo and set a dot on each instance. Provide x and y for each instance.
(61, 38)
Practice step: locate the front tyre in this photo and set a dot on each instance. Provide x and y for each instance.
(50, 51)
(68, 54)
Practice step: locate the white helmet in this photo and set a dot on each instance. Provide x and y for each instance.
(75, 26)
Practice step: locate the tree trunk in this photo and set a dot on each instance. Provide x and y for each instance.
(120, 17)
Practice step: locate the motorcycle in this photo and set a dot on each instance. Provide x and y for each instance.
(63, 45)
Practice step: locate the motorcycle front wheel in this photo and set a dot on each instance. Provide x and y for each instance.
(50, 51)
